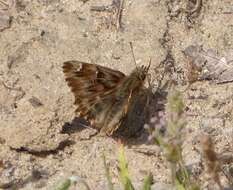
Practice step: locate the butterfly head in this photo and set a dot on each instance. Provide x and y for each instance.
(141, 72)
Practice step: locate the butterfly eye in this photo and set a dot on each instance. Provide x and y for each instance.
(141, 74)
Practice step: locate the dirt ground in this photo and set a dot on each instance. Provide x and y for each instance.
(39, 143)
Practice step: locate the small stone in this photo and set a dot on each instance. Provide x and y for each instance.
(5, 21)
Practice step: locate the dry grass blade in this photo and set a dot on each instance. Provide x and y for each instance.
(211, 159)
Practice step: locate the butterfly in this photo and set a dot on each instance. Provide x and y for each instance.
(103, 96)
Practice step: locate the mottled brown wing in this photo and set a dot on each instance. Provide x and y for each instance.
(93, 87)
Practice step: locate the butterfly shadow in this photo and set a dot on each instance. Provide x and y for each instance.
(132, 131)
(77, 125)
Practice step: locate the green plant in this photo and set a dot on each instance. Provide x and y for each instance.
(66, 184)
(124, 174)
(171, 142)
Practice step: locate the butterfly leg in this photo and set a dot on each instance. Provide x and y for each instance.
(126, 108)
(147, 100)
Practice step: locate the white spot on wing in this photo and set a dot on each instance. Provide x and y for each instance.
(79, 68)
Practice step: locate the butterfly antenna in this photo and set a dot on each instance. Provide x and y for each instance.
(131, 47)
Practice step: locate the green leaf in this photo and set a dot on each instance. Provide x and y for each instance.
(123, 170)
(194, 187)
(64, 185)
(147, 182)
(179, 186)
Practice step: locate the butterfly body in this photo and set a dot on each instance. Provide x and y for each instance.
(103, 95)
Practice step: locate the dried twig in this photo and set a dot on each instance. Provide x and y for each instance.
(196, 8)
(35, 102)
(116, 5)
(148, 151)
(19, 89)
(7, 5)
(230, 11)
(107, 8)
(11, 88)
(119, 14)
(3, 3)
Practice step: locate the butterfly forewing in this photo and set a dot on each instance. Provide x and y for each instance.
(88, 80)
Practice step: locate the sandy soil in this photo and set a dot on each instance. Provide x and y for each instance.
(39, 143)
